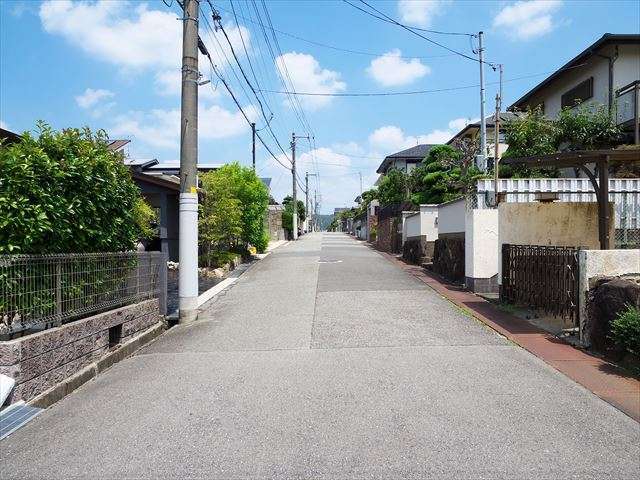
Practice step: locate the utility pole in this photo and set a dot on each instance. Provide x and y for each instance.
(496, 151)
(253, 145)
(188, 203)
(315, 210)
(360, 174)
(483, 123)
(294, 137)
(294, 219)
(307, 211)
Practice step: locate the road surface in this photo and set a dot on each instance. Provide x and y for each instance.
(327, 361)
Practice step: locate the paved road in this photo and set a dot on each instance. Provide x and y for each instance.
(327, 361)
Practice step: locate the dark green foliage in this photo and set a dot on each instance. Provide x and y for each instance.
(585, 127)
(66, 192)
(287, 214)
(625, 330)
(442, 176)
(393, 188)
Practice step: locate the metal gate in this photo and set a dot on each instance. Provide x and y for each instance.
(541, 277)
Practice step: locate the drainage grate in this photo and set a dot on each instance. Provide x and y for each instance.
(15, 416)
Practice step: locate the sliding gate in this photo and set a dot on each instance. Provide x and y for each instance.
(541, 277)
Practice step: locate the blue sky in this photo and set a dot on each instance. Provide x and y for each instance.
(116, 65)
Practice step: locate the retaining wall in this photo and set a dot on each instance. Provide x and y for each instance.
(594, 264)
(39, 361)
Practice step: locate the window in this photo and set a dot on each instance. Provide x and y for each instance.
(581, 92)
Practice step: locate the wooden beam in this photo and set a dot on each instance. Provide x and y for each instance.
(603, 204)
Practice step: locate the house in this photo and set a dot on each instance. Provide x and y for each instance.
(8, 137)
(471, 133)
(595, 75)
(405, 160)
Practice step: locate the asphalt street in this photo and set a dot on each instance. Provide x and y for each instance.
(325, 360)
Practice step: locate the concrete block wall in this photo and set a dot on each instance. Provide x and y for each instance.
(39, 361)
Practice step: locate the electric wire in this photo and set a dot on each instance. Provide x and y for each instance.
(389, 19)
(333, 47)
(421, 92)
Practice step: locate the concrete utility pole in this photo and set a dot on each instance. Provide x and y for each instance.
(483, 123)
(294, 219)
(293, 176)
(188, 223)
(496, 147)
(253, 145)
(306, 198)
(308, 219)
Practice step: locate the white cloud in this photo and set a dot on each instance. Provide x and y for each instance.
(107, 30)
(161, 128)
(527, 19)
(391, 138)
(420, 12)
(130, 35)
(392, 70)
(169, 83)
(91, 97)
(308, 76)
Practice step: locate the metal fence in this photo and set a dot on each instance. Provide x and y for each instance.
(624, 194)
(541, 277)
(43, 291)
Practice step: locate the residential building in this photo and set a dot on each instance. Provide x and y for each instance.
(593, 76)
(471, 133)
(405, 160)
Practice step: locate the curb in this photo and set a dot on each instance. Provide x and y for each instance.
(64, 388)
(204, 297)
(605, 380)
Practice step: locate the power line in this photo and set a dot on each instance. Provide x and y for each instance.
(418, 92)
(389, 19)
(305, 121)
(340, 49)
(235, 100)
(392, 21)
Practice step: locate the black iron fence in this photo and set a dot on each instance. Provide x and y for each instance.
(541, 277)
(44, 291)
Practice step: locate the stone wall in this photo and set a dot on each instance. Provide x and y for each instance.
(39, 361)
(386, 229)
(594, 265)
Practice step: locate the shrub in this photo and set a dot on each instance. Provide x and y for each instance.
(234, 207)
(66, 192)
(625, 330)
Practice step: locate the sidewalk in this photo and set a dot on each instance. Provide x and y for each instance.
(604, 379)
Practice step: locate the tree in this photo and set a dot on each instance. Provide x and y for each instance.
(66, 192)
(233, 210)
(287, 214)
(445, 174)
(393, 188)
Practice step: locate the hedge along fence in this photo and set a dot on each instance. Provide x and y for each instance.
(44, 291)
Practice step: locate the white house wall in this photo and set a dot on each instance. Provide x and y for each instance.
(481, 249)
(626, 69)
(451, 217)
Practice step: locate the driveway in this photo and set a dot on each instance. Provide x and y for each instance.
(325, 360)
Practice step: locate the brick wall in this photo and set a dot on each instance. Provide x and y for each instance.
(385, 232)
(40, 361)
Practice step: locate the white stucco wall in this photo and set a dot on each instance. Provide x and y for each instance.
(481, 243)
(412, 226)
(429, 221)
(595, 263)
(451, 217)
